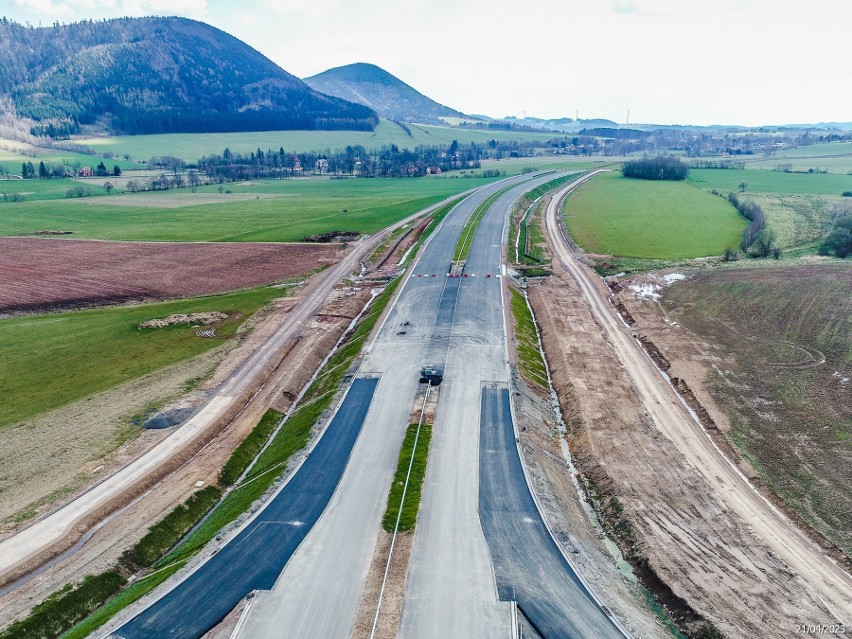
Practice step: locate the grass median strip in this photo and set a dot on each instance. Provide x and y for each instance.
(530, 362)
(415, 481)
(292, 437)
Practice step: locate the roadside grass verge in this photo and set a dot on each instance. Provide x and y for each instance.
(530, 363)
(411, 506)
(614, 215)
(249, 448)
(66, 607)
(172, 528)
(469, 230)
(304, 207)
(524, 229)
(129, 595)
(47, 361)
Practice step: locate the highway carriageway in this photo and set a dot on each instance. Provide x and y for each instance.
(253, 559)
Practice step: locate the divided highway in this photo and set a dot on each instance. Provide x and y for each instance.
(253, 559)
(480, 542)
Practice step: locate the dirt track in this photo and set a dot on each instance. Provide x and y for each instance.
(682, 505)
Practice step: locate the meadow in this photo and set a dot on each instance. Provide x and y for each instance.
(305, 206)
(650, 219)
(799, 207)
(47, 361)
(192, 146)
(835, 157)
(758, 181)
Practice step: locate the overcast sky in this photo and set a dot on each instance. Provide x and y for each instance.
(747, 62)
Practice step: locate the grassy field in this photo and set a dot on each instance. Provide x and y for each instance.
(305, 207)
(648, 219)
(771, 181)
(786, 337)
(798, 206)
(835, 157)
(191, 146)
(47, 361)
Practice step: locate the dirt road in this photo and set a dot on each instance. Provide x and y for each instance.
(62, 527)
(826, 589)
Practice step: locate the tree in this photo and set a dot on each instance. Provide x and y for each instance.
(108, 187)
(101, 170)
(743, 186)
(25, 172)
(764, 243)
(116, 170)
(42, 170)
(839, 241)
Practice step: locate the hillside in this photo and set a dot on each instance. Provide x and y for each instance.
(157, 75)
(374, 87)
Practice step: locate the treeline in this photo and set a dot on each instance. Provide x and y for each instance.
(47, 171)
(662, 167)
(757, 239)
(839, 241)
(388, 161)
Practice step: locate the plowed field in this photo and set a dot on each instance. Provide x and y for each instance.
(38, 274)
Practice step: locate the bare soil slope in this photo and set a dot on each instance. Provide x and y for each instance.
(668, 520)
(771, 350)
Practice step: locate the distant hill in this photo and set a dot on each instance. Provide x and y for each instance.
(157, 75)
(374, 87)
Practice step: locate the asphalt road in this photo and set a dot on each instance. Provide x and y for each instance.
(59, 526)
(254, 558)
(450, 589)
(319, 591)
(529, 567)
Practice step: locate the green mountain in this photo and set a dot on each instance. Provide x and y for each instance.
(374, 87)
(157, 75)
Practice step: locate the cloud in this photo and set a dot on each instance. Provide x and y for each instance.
(312, 9)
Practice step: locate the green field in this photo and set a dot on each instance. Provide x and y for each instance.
(47, 361)
(799, 207)
(52, 189)
(192, 146)
(835, 157)
(306, 206)
(771, 181)
(650, 219)
(10, 161)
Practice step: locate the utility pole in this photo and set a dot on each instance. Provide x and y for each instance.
(628, 116)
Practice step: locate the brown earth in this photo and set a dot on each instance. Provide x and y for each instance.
(299, 359)
(669, 522)
(764, 352)
(44, 274)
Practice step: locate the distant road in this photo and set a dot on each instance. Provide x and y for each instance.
(253, 559)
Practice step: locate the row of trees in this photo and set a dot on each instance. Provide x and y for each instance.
(47, 171)
(757, 240)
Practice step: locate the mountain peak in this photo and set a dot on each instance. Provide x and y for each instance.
(383, 92)
(158, 75)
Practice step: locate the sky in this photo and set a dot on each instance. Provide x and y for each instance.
(701, 62)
